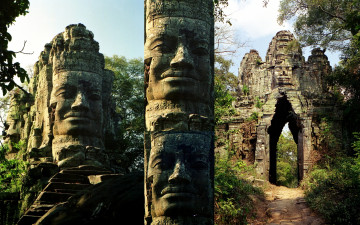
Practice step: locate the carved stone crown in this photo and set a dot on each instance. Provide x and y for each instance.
(76, 50)
(194, 9)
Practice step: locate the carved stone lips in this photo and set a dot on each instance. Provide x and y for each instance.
(185, 191)
(179, 74)
(77, 115)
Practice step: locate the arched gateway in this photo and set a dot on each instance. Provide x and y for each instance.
(282, 89)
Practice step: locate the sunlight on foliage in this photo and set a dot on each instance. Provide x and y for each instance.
(12, 171)
(287, 168)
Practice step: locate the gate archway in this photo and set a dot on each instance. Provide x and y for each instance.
(284, 113)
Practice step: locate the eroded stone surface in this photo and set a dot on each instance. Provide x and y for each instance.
(179, 61)
(179, 112)
(284, 88)
(68, 111)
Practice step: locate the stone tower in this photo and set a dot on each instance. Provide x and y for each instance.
(290, 90)
(63, 120)
(71, 109)
(179, 112)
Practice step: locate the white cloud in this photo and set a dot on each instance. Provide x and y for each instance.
(254, 20)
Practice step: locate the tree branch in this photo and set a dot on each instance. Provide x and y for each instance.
(21, 51)
(330, 14)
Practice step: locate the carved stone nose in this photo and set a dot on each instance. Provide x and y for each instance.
(179, 174)
(81, 102)
(182, 58)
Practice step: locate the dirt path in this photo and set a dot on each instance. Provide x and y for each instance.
(285, 206)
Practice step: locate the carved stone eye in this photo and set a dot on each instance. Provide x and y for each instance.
(94, 97)
(163, 48)
(199, 165)
(200, 51)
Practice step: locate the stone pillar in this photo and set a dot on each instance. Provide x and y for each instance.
(261, 153)
(307, 146)
(179, 65)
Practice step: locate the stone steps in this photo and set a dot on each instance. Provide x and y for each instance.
(69, 178)
(39, 210)
(47, 197)
(28, 220)
(54, 186)
(60, 188)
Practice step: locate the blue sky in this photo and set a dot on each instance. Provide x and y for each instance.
(117, 26)
(256, 26)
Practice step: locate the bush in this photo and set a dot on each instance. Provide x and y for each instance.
(287, 169)
(333, 190)
(253, 117)
(13, 170)
(245, 90)
(233, 204)
(258, 103)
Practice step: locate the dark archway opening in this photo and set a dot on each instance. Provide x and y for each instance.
(284, 113)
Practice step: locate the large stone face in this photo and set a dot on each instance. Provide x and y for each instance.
(179, 62)
(70, 110)
(179, 112)
(289, 90)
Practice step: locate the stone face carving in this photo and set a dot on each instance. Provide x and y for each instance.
(290, 90)
(16, 124)
(179, 171)
(71, 108)
(78, 80)
(78, 104)
(180, 62)
(178, 59)
(179, 112)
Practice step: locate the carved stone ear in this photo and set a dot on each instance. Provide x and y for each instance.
(52, 106)
(147, 61)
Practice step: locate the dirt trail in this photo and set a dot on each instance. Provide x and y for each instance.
(285, 206)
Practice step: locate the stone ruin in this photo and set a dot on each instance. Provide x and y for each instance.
(69, 103)
(284, 88)
(64, 120)
(178, 159)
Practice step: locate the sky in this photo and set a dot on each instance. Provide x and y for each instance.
(117, 26)
(256, 25)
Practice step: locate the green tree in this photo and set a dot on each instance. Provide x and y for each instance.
(219, 14)
(326, 23)
(128, 93)
(9, 10)
(224, 88)
(223, 74)
(286, 154)
(332, 24)
(12, 170)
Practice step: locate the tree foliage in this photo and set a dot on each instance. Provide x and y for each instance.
(332, 24)
(9, 10)
(219, 13)
(12, 171)
(333, 190)
(233, 204)
(327, 23)
(224, 88)
(128, 93)
(287, 170)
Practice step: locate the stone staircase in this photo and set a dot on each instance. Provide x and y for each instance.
(61, 186)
